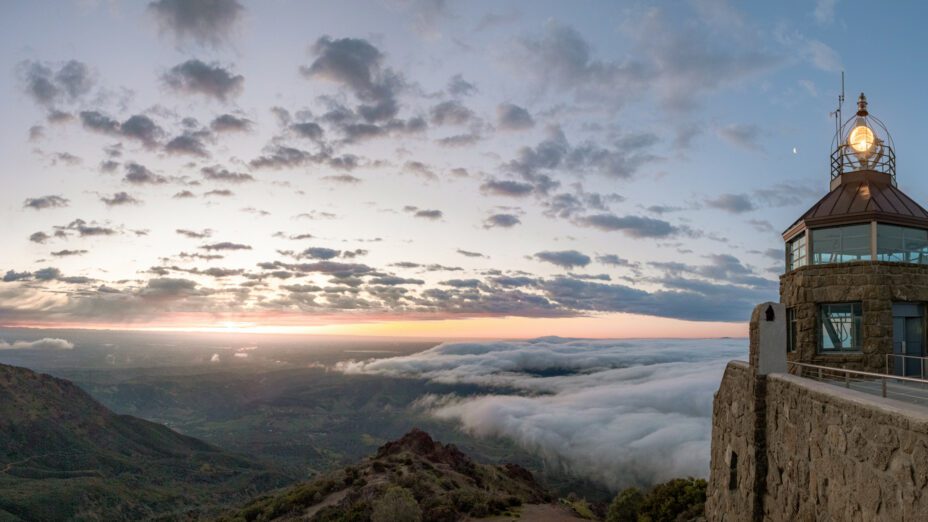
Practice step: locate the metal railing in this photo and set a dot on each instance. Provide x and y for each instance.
(921, 362)
(907, 389)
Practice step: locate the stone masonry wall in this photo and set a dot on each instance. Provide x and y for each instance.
(875, 284)
(837, 454)
(831, 453)
(733, 433)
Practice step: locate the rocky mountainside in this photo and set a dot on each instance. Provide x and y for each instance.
(65, 456)
(413, 478)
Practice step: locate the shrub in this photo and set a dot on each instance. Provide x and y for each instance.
(396, 505)
(625, 506)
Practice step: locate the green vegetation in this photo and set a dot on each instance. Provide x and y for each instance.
(65, 456)
(675, 500)
(412, 478)
(396, 505)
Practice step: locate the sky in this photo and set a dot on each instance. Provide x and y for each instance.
(426, 167)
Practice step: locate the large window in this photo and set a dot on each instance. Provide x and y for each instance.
(796, 252)
(901, 244)
(841, 244)
(791, 325)
(840, 327)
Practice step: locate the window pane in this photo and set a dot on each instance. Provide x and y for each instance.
(841, 244)
(901, 244)
(840, 327)
(796, 252)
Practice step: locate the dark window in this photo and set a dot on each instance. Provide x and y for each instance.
(733, 471)
(791, 329)
(840, 327)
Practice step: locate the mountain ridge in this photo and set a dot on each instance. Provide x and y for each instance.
(63, 455)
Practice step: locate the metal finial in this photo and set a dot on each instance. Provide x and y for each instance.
(862, 105)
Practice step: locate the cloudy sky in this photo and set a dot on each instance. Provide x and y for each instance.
(422, 167)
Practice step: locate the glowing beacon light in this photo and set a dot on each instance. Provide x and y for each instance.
(861, 137)
(861, 144)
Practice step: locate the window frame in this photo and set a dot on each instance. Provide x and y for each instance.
(792, 329)
(800, 244)
(856, 324)
(817, 249)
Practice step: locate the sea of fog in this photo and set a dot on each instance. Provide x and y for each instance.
(622, 412)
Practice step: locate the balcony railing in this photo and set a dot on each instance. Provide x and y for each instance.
(908, 389)
(882, 159)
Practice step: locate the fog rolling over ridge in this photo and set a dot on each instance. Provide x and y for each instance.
(622, 412)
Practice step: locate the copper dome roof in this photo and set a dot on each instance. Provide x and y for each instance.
(862, 196)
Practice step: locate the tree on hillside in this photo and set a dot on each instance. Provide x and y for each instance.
(673, 501)
(396, 505)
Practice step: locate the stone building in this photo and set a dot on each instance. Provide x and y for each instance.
(856, 279)
(806, 428)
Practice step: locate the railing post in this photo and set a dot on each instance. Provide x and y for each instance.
(884, 387)
(847, 379)
(819, 374)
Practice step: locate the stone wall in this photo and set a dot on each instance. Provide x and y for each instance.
(826, 452)
(837, 454)
(876, 285)
(732, 493)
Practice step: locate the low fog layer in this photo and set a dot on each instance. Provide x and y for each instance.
(622, 412)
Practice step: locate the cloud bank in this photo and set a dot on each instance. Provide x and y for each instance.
(46, 343)
(624, 412)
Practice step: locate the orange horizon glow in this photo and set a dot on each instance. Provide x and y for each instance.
(600, 326)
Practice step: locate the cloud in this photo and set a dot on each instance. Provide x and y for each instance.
(230, 123)
(356, 64)
(44, 202)
(138, 127)
(564, 258)
(119, 198)
(502, 221)
(513, 117)
(458, 86)
(468, 253)
(193, 234)
(321, 253)
(825, 11)
(188, 143)
(137, 174)
(67, 253)
(308, 129)
(207, 22)
(621, 159)
(625, 413)
(507, 188)
(184, 194)
(742, 135)
(675, 63)
(216, 173)
(196, 77)
(429, 214)
(451, 112)
(632, 226)
(142, 128)
(225, 245)
(46, 343)
(49, 83)
(733, 203)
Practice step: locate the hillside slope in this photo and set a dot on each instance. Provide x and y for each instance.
(411, 478)
(65, 456)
